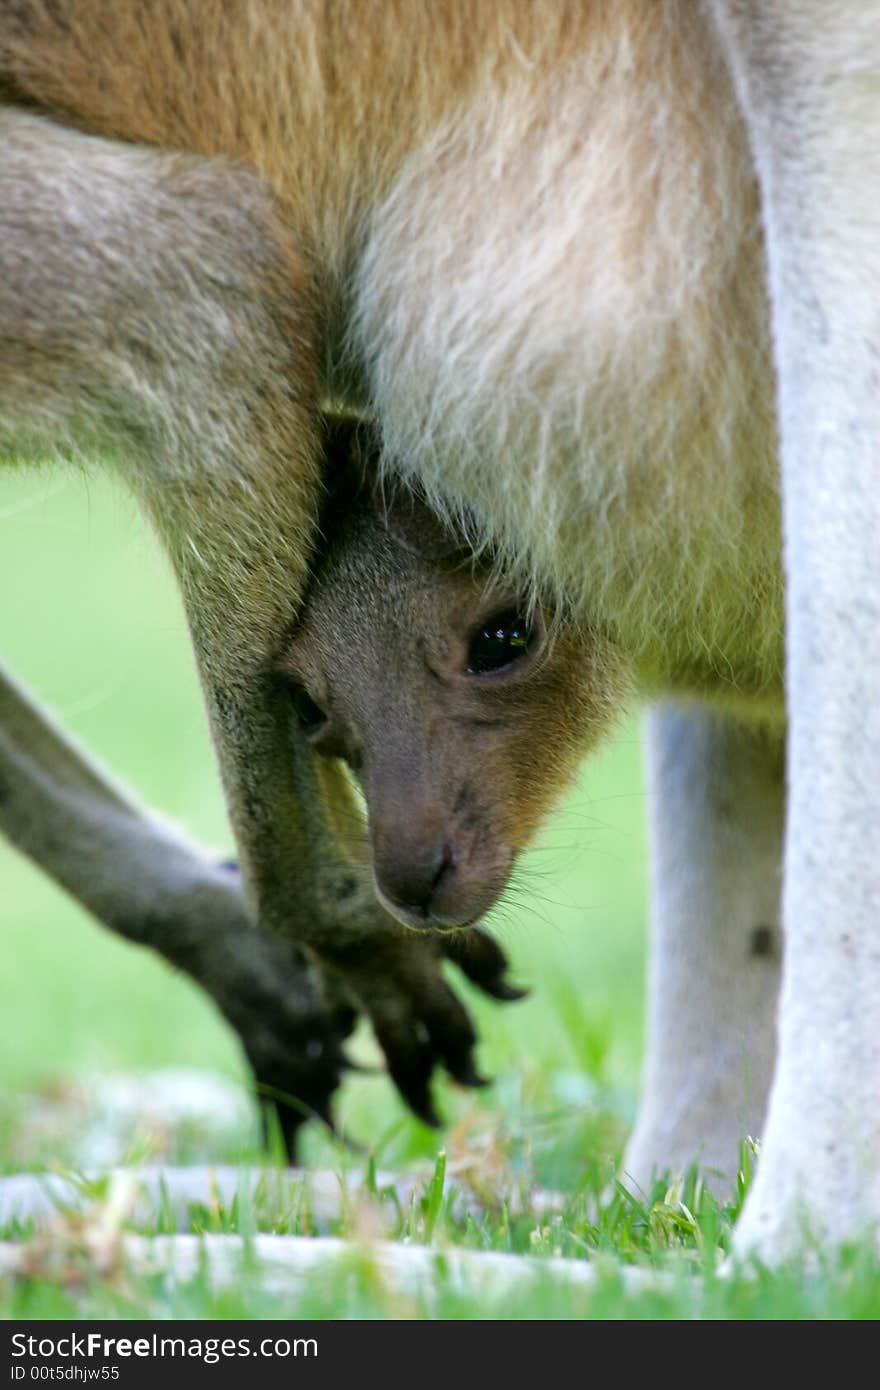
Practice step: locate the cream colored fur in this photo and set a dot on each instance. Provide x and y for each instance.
(577, 349)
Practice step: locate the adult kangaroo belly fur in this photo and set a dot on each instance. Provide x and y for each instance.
(529, 239)
(577, 351)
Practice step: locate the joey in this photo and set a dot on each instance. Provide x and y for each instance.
(462, 709)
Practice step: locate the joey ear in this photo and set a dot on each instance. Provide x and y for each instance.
(351, 455)
(415, 526)
(351, 464)
(353, 475)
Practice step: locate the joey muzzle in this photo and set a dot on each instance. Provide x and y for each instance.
(428, 877)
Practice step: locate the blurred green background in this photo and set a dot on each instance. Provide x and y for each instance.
(90, 620)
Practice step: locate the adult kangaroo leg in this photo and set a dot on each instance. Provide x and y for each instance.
(717, 808)
(142, 878)
(154, 313)
(807, 80)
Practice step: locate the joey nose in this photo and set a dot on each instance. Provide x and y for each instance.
(413, 875)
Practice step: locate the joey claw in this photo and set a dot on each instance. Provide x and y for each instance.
(467, 1075)
(410, 1062)
(414, 1086)
(483, 962)
(425, 1110)
(506, 993)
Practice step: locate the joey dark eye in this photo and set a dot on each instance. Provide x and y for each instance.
(501, 642)
(309, 715)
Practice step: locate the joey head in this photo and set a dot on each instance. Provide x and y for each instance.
(461, 709)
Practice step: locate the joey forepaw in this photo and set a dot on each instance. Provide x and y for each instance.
(419, 1021)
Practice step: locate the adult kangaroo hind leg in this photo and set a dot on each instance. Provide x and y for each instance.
(717, 798)
(156, 315)
(807, 79)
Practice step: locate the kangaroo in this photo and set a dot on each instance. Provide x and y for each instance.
(585, 265)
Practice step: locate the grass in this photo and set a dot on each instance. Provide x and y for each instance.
(90, 619)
